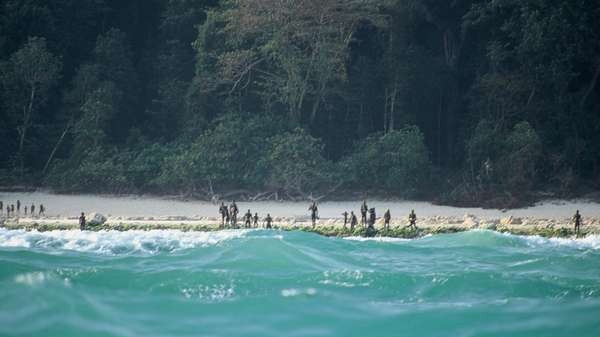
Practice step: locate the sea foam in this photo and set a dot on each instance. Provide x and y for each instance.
(115, 242)
(590, 241)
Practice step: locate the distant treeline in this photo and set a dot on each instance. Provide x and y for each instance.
(463, 101)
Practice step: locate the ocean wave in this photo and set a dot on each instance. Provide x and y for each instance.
(293, 292)
(115, 242)
(376, 238)
(210, 293)
(590, 241)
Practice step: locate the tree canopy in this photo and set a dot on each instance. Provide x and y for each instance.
(464, 101)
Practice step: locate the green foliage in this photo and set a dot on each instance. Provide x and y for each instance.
(26, 80)
(296, 162)
(205, 96)
(397, 161)
(509, 162)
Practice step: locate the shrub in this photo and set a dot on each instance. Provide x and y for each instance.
(397, 161)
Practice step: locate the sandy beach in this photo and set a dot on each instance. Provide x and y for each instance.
(124, 213)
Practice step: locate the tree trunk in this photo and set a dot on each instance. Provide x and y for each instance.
(23, 129)
(58, 143)
(393, 106)
(385, 111)
(591, 86)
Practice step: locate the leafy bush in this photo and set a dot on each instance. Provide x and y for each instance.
(502, 161)
(296, 162)
(397, 161)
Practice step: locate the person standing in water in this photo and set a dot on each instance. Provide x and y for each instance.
(314, 213)
(386, 219)
(1, 207)
(32, 210)
(25, 210)
(353, 220)
(82, 221)
(363, 213)
(248, 219)
(42, 210)
(255, 218)
(268, 221)
(345, 214)
(18, 206)
(412, 219)
(577, 222)
(7, 211)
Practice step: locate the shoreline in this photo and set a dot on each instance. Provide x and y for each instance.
(333, 227)
(244, 195)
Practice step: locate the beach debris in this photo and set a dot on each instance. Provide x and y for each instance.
(96, 219)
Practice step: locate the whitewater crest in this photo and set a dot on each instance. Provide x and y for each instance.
(115, 242)
(590, 241)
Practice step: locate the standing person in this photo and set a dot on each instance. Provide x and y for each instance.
(18, 206)
(12, 208)
(1, 207)
(25, 210)
(7, 211)
(248, 219)
(386, 218)
(372, 218)
(82, 221)
(412, 219)
(363, 213)
(353, 220)
(314, 213)
(577, 222)
(32, 209)
(233, 212)
(42, 210)
(345, 214)
(268, 221)
(255, 218)
(223, 212)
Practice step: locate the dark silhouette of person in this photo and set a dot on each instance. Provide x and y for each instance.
(268, 221)
(18, 206)
(363, 213)
(386, 218)
(577, 222)
(248, 219)
(353, 220)
(1, 207)
(255, 218)
(7, 211)
(32, 209)
(412, 219)
(345, 214)
(314, 213)
(82, 221)
(233, 212)
(12, 208)
(25, 210)
(42, 210)
(223, 212)
(372, 218)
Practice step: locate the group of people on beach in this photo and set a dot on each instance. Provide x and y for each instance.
(369, 222)
(229, 217)
(14, 210)
(368, 218)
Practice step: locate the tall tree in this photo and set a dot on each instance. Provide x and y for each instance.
(31, 73)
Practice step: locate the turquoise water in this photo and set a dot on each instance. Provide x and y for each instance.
(270, 283)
